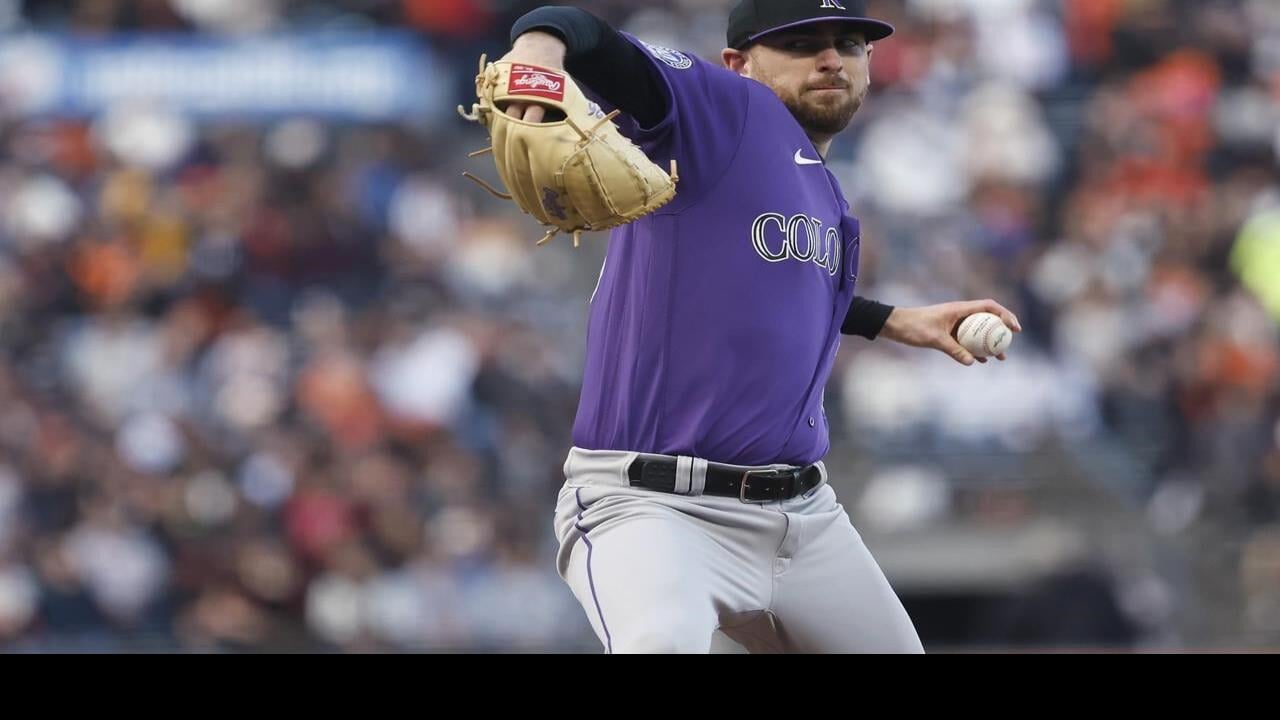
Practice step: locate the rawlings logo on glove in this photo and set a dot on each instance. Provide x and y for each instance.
(575, 175)
(527, 80)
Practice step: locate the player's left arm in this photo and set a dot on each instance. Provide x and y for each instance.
(595, 54)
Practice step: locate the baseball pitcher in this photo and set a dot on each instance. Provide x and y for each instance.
(696, 498)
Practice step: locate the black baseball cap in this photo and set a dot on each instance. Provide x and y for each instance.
(752, 19)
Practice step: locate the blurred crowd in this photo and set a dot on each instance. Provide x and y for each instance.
(1109, 168)
(292, 385)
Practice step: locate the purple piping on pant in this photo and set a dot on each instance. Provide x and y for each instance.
(591, 578)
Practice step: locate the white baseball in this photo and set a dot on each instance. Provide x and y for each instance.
(984, 335)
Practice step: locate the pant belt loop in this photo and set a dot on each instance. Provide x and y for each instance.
(822, 474)
(699, 480)
(684, 475)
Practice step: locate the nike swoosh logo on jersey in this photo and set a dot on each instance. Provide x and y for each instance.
(802, 160)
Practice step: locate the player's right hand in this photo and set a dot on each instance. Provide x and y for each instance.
(935, 326)
(535, 48)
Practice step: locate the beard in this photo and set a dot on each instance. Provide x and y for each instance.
(825, 113)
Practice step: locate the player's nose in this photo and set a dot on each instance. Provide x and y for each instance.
(829, 60)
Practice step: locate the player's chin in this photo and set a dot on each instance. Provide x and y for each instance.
(830, 120)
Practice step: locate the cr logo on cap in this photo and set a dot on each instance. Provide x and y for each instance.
(832, 5)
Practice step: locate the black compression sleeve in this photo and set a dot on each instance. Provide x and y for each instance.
(579, 29)
(866, 318)
(601, 59)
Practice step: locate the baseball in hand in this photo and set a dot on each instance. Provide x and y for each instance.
(984, 335)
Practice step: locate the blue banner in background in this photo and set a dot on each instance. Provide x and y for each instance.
(361, 77)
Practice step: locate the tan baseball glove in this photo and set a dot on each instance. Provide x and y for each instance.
(574, 173)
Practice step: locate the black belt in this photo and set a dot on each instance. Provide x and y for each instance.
(749, 486)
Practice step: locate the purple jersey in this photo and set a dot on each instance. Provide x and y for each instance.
(717, 319)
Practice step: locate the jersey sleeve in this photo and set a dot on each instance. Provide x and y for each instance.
(706, 116)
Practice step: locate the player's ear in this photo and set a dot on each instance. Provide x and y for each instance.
(735, 60)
